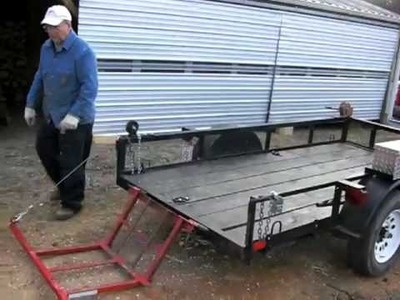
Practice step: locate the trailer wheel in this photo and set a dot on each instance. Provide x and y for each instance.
(235, 143)
(376, 252)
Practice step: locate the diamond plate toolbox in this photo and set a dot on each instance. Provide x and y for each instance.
(387, 158)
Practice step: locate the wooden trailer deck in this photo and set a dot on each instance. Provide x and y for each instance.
(219, 190)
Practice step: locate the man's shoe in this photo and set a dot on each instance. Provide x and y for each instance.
(64, 213)
(54, 196)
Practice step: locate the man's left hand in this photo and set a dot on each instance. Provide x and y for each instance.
(69, 123)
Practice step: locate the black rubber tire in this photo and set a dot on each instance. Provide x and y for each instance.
(360, 252)
(132, 127)
(235, 143)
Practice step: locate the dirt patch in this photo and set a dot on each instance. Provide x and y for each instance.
(311, 268)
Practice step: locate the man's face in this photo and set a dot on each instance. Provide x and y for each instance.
(57, 33)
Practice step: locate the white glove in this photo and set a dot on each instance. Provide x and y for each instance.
(30, 116)
(69, 123)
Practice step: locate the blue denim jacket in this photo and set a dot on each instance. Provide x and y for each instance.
(66, 81)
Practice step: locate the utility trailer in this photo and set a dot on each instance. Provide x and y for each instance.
(249, 188)
(252, 195)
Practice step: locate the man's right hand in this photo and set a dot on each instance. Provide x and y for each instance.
(30, 116)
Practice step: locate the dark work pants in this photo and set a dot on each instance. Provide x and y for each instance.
(60, 154)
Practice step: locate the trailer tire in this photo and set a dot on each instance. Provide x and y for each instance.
(231, 143)
(376, 252)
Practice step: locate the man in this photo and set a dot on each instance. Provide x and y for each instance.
(65, 86)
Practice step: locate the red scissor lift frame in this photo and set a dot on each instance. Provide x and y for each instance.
(136, 279)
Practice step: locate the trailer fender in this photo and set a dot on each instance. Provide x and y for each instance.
(384, 189)
(376, 249)
(357, 218)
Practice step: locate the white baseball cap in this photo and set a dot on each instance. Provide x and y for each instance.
(55, 15)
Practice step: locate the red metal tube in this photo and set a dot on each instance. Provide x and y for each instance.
(119, 260)
(112, 287)
(179, 223)
(58, 290)
(82, 265)
(68, 250)
(133, 197)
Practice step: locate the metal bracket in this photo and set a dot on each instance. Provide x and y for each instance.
(327, 203)
(180, 199)
(276, 206)
(354, 185)
(88, 295)
(346, 232)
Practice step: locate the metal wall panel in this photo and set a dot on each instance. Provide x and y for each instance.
(361, 9)
(175, 63)
(161, 102)
(306, 97)
(179, 30)
(308, 41)
(184, 31)
(316, 42)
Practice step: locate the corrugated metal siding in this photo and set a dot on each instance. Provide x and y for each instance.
(332, 44)
(151, 54)
(301, 97)
(170, 101)
(187, 31)
(179, 30)
(358, 8)
(319, 42)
